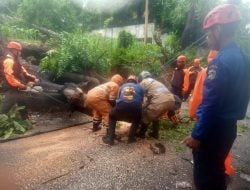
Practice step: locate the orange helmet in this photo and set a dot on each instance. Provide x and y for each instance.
(132, 78)
(222, 14)
(197, 61)
(181, 58)
(117, 79)
(14, 45)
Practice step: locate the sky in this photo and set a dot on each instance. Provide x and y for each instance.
(104, 5)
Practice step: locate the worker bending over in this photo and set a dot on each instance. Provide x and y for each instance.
(101, 99)
(159, 100)
(128, 108)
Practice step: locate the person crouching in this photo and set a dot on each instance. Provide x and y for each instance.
(159, 100)
(101, 99)
(128, 108)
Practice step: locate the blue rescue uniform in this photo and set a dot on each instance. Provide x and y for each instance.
(128, 108)
(225, 100)
(130, 93)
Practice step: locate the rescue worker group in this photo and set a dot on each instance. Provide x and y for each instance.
(219, 97)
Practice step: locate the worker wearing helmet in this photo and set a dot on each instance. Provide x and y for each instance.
(223, 101)
(159, 100)
(101, 99)
(128, 108)
(16, 77)
(190, 77)
(195, 101)
(178, 76)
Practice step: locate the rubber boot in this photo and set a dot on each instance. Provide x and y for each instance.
(132, 132)
(96, 125)
(143, 130)
(110, 136)
(155, 130)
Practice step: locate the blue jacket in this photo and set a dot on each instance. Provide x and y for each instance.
(130, 93)
(226, 91)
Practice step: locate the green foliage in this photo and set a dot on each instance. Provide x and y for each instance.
(11, 123)
(82, 52)
(137, 57)
(79, 53)
(125, 39)
(172, 44)
(242, 128)
(175, 134)
(57, 15)
(16, 32)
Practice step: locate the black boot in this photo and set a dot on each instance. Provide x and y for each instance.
(132, 132)
(110, 136)
(155, 131)
(143, 130)
(108, 139)
(96, 125)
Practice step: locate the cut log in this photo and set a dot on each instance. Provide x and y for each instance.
(46, 31)
(36, 51)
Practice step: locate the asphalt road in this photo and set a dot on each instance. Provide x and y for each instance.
(76, 159)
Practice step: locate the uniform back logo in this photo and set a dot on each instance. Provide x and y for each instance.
(129, 93)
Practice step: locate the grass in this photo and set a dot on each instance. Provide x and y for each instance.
(248, 117)
(242, 128)
(175, 133)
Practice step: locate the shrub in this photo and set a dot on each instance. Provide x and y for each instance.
(11, 123)
(137, 57)
(79, 53)
(16, 32)
(125, 39)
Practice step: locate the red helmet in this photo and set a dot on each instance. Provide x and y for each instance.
(222, 14)
(181, 58)
(14, 45)
(132, 78)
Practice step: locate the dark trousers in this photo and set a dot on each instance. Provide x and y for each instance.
(177, 91)
(130, 112)
(209, 168)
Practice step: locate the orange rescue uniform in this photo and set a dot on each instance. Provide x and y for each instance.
(14, 71)
(99, 98)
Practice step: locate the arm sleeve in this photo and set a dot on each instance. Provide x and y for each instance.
(27, 75)
(114, 88)
(215, 83)
(8, 73)
(186, 80)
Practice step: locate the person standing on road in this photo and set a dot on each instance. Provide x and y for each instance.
(178, 77)
(190, 78)
(101, 99)
(17, 78)
(128, 108)
(225, 100)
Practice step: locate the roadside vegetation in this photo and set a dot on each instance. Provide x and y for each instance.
(11, 123)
